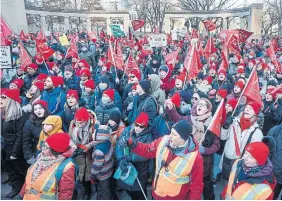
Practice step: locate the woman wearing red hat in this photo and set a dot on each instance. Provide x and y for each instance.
(32, 129)
(237, 90)
(11, 129)
(239, 132)
(32, 95)
(251, 178)
(42, 180)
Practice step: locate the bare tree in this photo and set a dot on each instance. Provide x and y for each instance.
(272, 17)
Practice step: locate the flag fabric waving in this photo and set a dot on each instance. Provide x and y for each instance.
(119, 57)
(271, 53)
(209, 49)
(192, 64)
(5, 30)
(209, 25)
(194, 33)
(171, 57)
(233, 44)
(137, 24)
(24, 57)
(131, 64)
(116, 30)
(224, 62)
(217, 120)
(44, 50)
(23, 36)
(72, 51)
(243, 35)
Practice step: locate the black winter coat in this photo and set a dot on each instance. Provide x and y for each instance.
(273, 116)
(103, 112)
(68, 116)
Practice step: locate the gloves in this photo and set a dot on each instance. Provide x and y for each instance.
(202, 149)
(228, 122)
(123, 165)
(31, 160)
(125, 141)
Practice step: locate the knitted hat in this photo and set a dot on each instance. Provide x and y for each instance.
(209, 79)
(164, 68)
(55, 80)
(240, 71)
(183, 128)
(259, 151)
(142, 119)
(222, 93)
(272, 83)
(186, 96)
(102, 59)
(145, 85)
(240, 84)
(181, 77)
(232, 102)
(223, 71)
(176, 99)
(86, 72)
(59, 142)
(18, 82)
(108, 65)
(136, 73)
(33, 66)
(43, 103)
(90, 84)
(82, 114)
(104, 79)
(13, 94)
(38, 59)
(110, 93)
(115, 116)
(41, 77)
(61, 80)
(85, 63)
(256, 106)
(72, 93)
(201, 76)
(39, 85)
(213, 67)
(69, 68)
(51, 65)
(253, 61)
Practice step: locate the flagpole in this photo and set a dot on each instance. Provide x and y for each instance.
(243, 91)
(110, 46)
(273, 104)
(189, 65)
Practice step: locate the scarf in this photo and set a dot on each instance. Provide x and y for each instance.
(81, 135)
(245, 123)
(259, 171)
(198, 125)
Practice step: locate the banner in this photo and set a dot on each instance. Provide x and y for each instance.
(137, 24)
(24, 57)
(6, 57)
(116, 30)
(64, 40)
(158, 40)
(5, 30)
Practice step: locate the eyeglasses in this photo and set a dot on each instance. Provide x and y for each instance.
(202, 104)
(3, 97)
(132, 76)
(139, 125)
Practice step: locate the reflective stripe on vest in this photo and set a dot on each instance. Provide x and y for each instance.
(177, 173)
(43, 187)
(246, 191)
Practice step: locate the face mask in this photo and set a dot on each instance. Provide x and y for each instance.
(103, 86)
(105, 100)
(84, 49)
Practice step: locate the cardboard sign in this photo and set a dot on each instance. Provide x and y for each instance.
(64, 40)
(6, 57)
(157, 40)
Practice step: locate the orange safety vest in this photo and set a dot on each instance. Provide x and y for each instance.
(169, 180)
(44, 187)
(246, 191)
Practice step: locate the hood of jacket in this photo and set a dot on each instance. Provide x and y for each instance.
(155, 81)
(56, 122)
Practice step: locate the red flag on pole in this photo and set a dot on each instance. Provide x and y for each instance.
(44, 50)
(243, 35)
(217, 119)
(72, 51)
(24, 57)
(119, 57)
(102, 34)
(194, 33)
(233, 44)
(5, 30)
(209, 25)
(41, 36)
(171, 57)
(209, 49)
(110, 54)
(137, 24)
(224, 62)
(271, 53)
(192, 64)
(251, 90)
(131, 64)
(23, 36)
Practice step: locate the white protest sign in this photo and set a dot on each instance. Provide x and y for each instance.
(157, 40)
(6, 57)
(174, 34)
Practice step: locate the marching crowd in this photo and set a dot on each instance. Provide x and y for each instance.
(71, 123)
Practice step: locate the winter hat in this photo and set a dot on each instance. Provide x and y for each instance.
(240, 84)
(145, 85)
(110, 93)
(18, 82)
(43, 103)
(186, 96)
(176, 99)
(13, 94)
(222, 93)
(232, 102)
(108, 65)
(82, 114)
(72, 93)
(272, 83)
(102, 59)
(39, 85)
(41, 77)
(61, 80)
(213, 67)
(256, 106)
(253, 61)
(90, 84)
(59, 142)
(183, 128)
(85, 63)
(115, 116)
(69, 68)
(38, 59)
(270, 91)
(259, 151)
(201, 76)
(223, 71)
(104, 79)
(142, 119)
(164, 68)
(34, 66)
(209, 79)
(136, 73)
(55, 80)
(50, 65)
(86, 72)
(240, 71)
(181, 77)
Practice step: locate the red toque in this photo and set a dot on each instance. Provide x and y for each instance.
(110, 93)
(38, 59)
(256, 106)
(181, 77)
(240, 84)
(55, 80)
(18, 82)
(259, 151)
(232, 102)
(209, 79)
(41, 77)
(108, 65)
(50, 65)
(136, 73)
(240, 70)
(33, 66)
(142, 119)
(59, 142)
(223, 71)
(176, 99)
(253, 61)
(39, 85)
(86, 72)
(222, 93)
(42, 103)
(82, 114)
(13, 94)
(85, 63)
(90, 84)
(72, 93)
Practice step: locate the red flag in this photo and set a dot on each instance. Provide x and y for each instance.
(145, 40)
(233, 44)
(171, 57)
(251, 90)
(243, 35)
(187, 36)
(224, 62)
(24, 57)
(192, 64)
(5, 30)
(209, 49)
(131, 64)
(23, 36)
(137, 24)
(72, 51)
(44, 50)
(195, 33)
(271, 53)
(209, 25)
(217, 119)
(110, 54)
(41, 36)
(119, 57)
(102, 34)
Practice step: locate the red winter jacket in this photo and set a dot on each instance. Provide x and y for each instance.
(168, 81)
(190, 191)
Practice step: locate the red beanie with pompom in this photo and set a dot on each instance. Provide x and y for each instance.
(142, 119)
